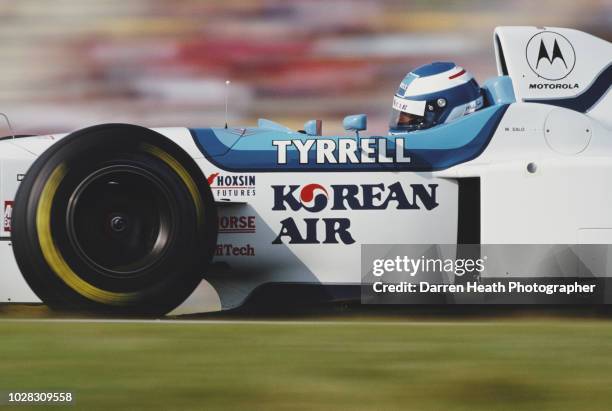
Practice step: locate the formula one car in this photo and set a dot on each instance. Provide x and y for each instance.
(125, 219)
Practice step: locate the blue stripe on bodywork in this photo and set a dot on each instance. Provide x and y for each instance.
(212, 143)
(433, 149)
(585, 100)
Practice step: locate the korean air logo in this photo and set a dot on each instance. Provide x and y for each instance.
(314, 197)
(550, 55)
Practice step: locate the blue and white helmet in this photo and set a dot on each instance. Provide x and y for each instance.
(433, 94)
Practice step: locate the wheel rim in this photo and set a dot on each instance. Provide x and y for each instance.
(120, 220)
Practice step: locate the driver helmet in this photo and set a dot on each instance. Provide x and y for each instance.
(433, 94)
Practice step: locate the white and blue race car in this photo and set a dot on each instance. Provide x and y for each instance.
(119, 218)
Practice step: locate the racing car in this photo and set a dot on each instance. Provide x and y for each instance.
(120, 218)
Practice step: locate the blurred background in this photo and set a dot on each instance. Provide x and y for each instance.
(72, 63)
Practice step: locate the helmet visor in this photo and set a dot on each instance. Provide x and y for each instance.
(400, 120)
(406, 114)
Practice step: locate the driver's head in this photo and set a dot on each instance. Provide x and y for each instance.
(433, 94)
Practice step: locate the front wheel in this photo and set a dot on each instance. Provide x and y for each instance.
(116, 219)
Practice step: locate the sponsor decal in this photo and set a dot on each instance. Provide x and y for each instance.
(211, 178)
(472, 106)
(409, 106)
(551, 57)
(7, 215)
(231, 250)
(315, 198)
(237, 224)
(553, 86)
(232, 185)
(343, 150)
(336, 231)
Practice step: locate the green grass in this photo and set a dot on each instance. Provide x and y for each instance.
(509, 365)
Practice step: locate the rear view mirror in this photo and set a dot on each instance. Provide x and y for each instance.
(356, 122)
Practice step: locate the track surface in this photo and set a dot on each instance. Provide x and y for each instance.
(331, 364)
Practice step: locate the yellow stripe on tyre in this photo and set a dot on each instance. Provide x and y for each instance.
(182, 173)
(53, 256)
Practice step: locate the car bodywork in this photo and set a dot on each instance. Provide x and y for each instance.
(532, 166)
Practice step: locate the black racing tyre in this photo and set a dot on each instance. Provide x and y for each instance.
(114, 219)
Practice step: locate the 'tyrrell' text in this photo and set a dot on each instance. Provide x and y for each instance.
(343, 150)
